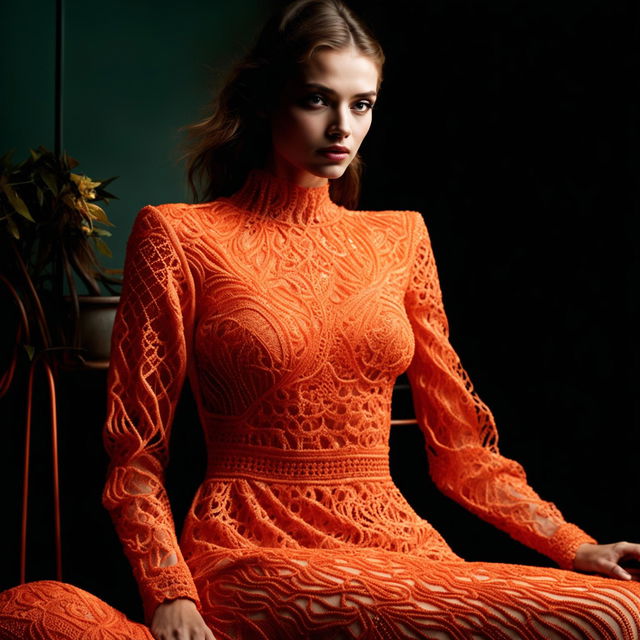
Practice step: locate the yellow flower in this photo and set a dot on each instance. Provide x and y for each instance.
(85, 185)
(77, 204)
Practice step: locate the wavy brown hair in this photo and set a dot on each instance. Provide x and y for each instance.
(223, 147)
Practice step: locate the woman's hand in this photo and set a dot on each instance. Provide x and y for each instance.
(605, 558)
(179, 620)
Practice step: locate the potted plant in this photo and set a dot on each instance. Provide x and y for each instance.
(51, 232)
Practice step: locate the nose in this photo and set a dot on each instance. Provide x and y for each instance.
(340, 127)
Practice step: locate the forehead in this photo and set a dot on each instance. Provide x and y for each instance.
(346, 71)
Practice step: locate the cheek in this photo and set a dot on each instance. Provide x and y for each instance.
(294, 128)
(361, 128)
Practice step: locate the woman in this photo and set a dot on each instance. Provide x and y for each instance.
(292, 315)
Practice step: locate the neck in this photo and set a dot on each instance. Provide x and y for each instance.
(288, 172)
(277, 198)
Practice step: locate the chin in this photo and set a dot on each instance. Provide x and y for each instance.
(330, 171)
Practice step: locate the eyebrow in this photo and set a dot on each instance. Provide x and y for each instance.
(316, 85)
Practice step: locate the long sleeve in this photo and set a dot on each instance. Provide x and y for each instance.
(148, 364)
(460, 431)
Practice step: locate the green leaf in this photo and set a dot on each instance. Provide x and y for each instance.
(30, 350)
(98, 212)
(106, 196)
(103, 248)
(68, 161)
(16, 201)
(13, 228)
(51, 182)
(104, 183)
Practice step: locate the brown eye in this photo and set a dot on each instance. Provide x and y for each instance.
(363, 106)
(314, 100)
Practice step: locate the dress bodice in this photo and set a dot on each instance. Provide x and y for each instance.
(300, 328)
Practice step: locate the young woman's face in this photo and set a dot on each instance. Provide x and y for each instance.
(327, 105)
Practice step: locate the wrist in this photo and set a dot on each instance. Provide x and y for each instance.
(177, 603)
(562, 546)
(174, 607)
(178, 600)
(170, 583)
(581, 552)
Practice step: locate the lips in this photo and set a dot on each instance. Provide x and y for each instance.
(335, 153)
(334, 149)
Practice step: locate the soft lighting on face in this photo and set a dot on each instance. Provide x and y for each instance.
(329, 104)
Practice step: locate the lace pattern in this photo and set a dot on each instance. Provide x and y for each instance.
(293, 318)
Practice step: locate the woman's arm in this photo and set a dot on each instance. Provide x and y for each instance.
(460, 431)
(151, 338)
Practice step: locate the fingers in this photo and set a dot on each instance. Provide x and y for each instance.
(208, 634)
(203, 633)
(629, 549)
(612, 568)
(193, 633)
(605, 559)
(616, 571)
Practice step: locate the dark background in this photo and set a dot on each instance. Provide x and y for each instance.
(513, 127)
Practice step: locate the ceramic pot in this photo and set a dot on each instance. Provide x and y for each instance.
(95, 325)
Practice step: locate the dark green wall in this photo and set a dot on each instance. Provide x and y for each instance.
(134, 73)
(27, 48)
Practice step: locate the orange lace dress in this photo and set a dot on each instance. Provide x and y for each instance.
(293, 317)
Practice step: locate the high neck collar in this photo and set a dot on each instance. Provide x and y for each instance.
(268, 195)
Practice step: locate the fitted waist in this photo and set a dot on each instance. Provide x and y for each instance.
(309, 466)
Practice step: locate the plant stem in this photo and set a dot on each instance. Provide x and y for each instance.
(87, 279)
(23, 326)
(73, 294)
(35, 299)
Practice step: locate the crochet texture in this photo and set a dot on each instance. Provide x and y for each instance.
(293, 317)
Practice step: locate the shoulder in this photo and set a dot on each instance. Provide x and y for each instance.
(408, 223)
(182, 221)
(178, 215)
(156, 233)
(403, 217)
(155, 248)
